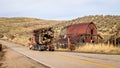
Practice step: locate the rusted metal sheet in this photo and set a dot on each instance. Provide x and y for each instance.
(77, 29)
(81, 28)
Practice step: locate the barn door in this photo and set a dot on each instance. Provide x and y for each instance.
(91, 33)
(91, 37)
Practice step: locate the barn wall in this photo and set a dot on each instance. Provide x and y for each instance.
(92, 33)
(81, 33)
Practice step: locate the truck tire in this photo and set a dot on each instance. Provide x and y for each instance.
(52, 49)
(32, 48)
(40, 48)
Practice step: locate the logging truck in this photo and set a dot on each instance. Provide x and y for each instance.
(42, 39)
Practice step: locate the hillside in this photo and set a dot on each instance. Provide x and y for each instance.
(107, 26)
(19, 29)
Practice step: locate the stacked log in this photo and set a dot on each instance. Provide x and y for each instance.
(43, 35)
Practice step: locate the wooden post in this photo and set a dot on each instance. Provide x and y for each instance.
(108, 41)
(115, 40)
(68, 42)
(98, 41)
(0, 47)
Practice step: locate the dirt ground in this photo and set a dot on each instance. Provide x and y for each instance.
(12, 59)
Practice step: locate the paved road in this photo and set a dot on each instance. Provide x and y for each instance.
(67, 59)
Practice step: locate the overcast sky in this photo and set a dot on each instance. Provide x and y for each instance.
(58, 9)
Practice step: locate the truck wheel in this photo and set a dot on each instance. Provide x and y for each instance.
(39, 48)
(32, 48)
(52, 50)
(49, 49)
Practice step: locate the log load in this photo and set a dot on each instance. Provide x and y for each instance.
(43, 35)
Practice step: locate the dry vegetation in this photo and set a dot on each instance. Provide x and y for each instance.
(106, 25)
(94, 48)
(19, 30)
(99, 48)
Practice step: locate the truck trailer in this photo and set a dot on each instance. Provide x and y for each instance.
(42, 39)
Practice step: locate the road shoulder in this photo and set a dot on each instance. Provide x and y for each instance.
(14, 59)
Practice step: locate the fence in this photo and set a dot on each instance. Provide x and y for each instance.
(107, 40)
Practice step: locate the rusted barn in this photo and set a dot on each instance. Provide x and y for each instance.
(81, 33)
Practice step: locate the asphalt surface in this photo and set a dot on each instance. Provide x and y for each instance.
(67, 59)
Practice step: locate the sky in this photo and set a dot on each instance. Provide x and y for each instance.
(58, 9)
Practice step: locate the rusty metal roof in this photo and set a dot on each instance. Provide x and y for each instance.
(78, 28)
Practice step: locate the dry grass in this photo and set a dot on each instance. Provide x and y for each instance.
(99, 48)
(21, 28)
(94, 48)
(21, 40)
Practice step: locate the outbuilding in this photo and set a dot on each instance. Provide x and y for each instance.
(81, 33)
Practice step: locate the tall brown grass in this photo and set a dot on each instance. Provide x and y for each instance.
(99, 48)
(94, 48)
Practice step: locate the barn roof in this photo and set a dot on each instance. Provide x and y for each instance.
(78, 28)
